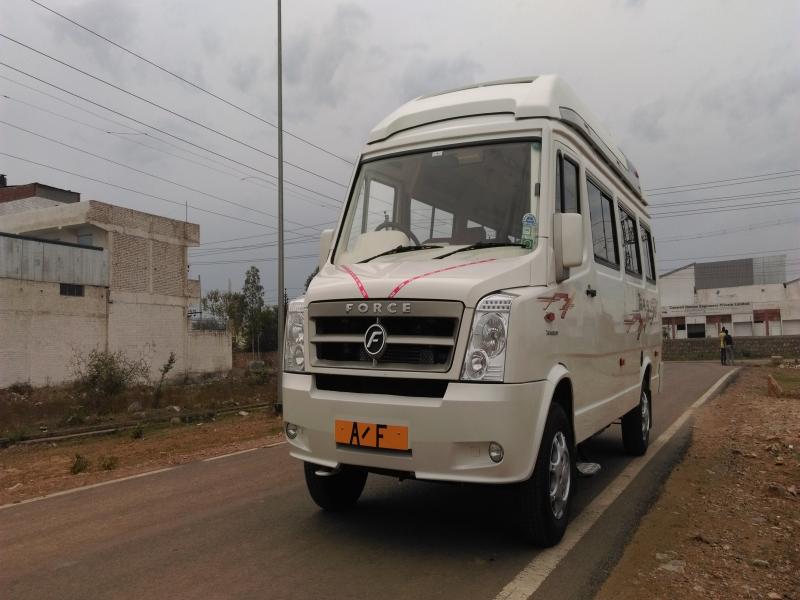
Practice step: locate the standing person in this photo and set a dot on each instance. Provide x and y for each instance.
(722, 346)
(728, 347)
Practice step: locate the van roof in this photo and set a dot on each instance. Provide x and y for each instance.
(546, 96)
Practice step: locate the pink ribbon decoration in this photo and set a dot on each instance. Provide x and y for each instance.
(358, 281)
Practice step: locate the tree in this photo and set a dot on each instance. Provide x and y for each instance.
(226, 306)
(253, 300)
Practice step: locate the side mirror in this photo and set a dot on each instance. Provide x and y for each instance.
(325, 239)
(567, 242)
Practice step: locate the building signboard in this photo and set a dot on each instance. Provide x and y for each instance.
(696, 310)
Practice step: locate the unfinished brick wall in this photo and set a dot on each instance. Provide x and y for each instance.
(168, 269)
(146, 223)
(130, 259)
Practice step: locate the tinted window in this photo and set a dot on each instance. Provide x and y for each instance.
(630, 242)
(648, 254)
(604, 233)
(567, 183)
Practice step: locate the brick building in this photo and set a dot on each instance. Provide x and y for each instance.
(80, 275)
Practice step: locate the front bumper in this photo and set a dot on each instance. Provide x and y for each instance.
(448, 437)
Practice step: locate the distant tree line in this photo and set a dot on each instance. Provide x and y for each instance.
(252, 322)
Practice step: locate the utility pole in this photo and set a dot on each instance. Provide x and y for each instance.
(281, 307)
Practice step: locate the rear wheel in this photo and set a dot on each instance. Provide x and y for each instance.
(337, 491)
(636, 425)
(546, 498)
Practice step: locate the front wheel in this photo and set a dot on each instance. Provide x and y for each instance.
(636, 425)
(336, 491)
(546, 498)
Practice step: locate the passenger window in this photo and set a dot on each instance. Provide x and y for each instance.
(649, 254)
(630, 242)
(567, 187)
(604, 232)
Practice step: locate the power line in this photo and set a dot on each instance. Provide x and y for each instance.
(731, 209)
(708, 187)
(765, 253)
(723, 198)
(162, 131)
(168, 110)
(127, 189)
(123, 136)
(134, 169)
(766, 225)
(672, 187)
(191, 83)
(249, 260)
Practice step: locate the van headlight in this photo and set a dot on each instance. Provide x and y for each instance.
(294, 354)
(485, 359)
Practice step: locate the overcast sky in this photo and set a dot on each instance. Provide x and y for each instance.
(693, 91)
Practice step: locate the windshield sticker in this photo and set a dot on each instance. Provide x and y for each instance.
(528, 230)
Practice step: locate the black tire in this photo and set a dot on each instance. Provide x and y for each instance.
(544, 522)
(338, 491)
(636, 424)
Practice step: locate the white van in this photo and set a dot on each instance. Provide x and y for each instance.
(487, 302)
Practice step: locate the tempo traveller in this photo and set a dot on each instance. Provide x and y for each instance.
(487, 302)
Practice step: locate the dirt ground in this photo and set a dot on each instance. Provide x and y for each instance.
(27, 471)
(727, 524)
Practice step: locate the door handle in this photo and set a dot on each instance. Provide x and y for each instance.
(591, 292)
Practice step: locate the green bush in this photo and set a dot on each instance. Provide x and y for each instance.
(22, 388)
(79, 464)
(100, 376)
(164, 370)
(108, 463)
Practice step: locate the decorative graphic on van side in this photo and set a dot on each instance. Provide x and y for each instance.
(558, 297)
(644, 316)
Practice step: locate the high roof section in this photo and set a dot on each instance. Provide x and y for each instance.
(544, 96)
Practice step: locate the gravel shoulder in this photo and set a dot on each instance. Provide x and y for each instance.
(28, 471)
(727, 523)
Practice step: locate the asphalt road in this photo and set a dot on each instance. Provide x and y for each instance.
(244, 527)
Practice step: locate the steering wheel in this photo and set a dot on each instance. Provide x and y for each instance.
(399, 227)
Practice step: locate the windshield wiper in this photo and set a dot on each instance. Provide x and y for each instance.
(400, 249)
(479, 245)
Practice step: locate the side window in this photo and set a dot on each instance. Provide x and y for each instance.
(604, 231)
(648, 254)
(442, 224)
(630, 242)
(567, 186)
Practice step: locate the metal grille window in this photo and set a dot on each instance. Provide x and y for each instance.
(70, 289)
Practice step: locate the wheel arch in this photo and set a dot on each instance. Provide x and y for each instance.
(558, 390)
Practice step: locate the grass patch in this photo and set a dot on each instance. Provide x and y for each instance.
(789, 380)
(108, 463)
(79, 464)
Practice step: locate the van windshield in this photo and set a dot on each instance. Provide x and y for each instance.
(442, 200)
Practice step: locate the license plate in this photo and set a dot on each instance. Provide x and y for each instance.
(371, 435)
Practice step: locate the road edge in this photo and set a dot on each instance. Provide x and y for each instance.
(531, 577)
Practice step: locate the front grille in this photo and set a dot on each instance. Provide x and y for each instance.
(421, 338)
(394, 386)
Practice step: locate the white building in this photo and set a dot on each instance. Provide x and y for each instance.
(75, 276)
(750, 297)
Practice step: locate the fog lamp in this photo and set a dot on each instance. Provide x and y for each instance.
(495, 452)
(292, 430)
